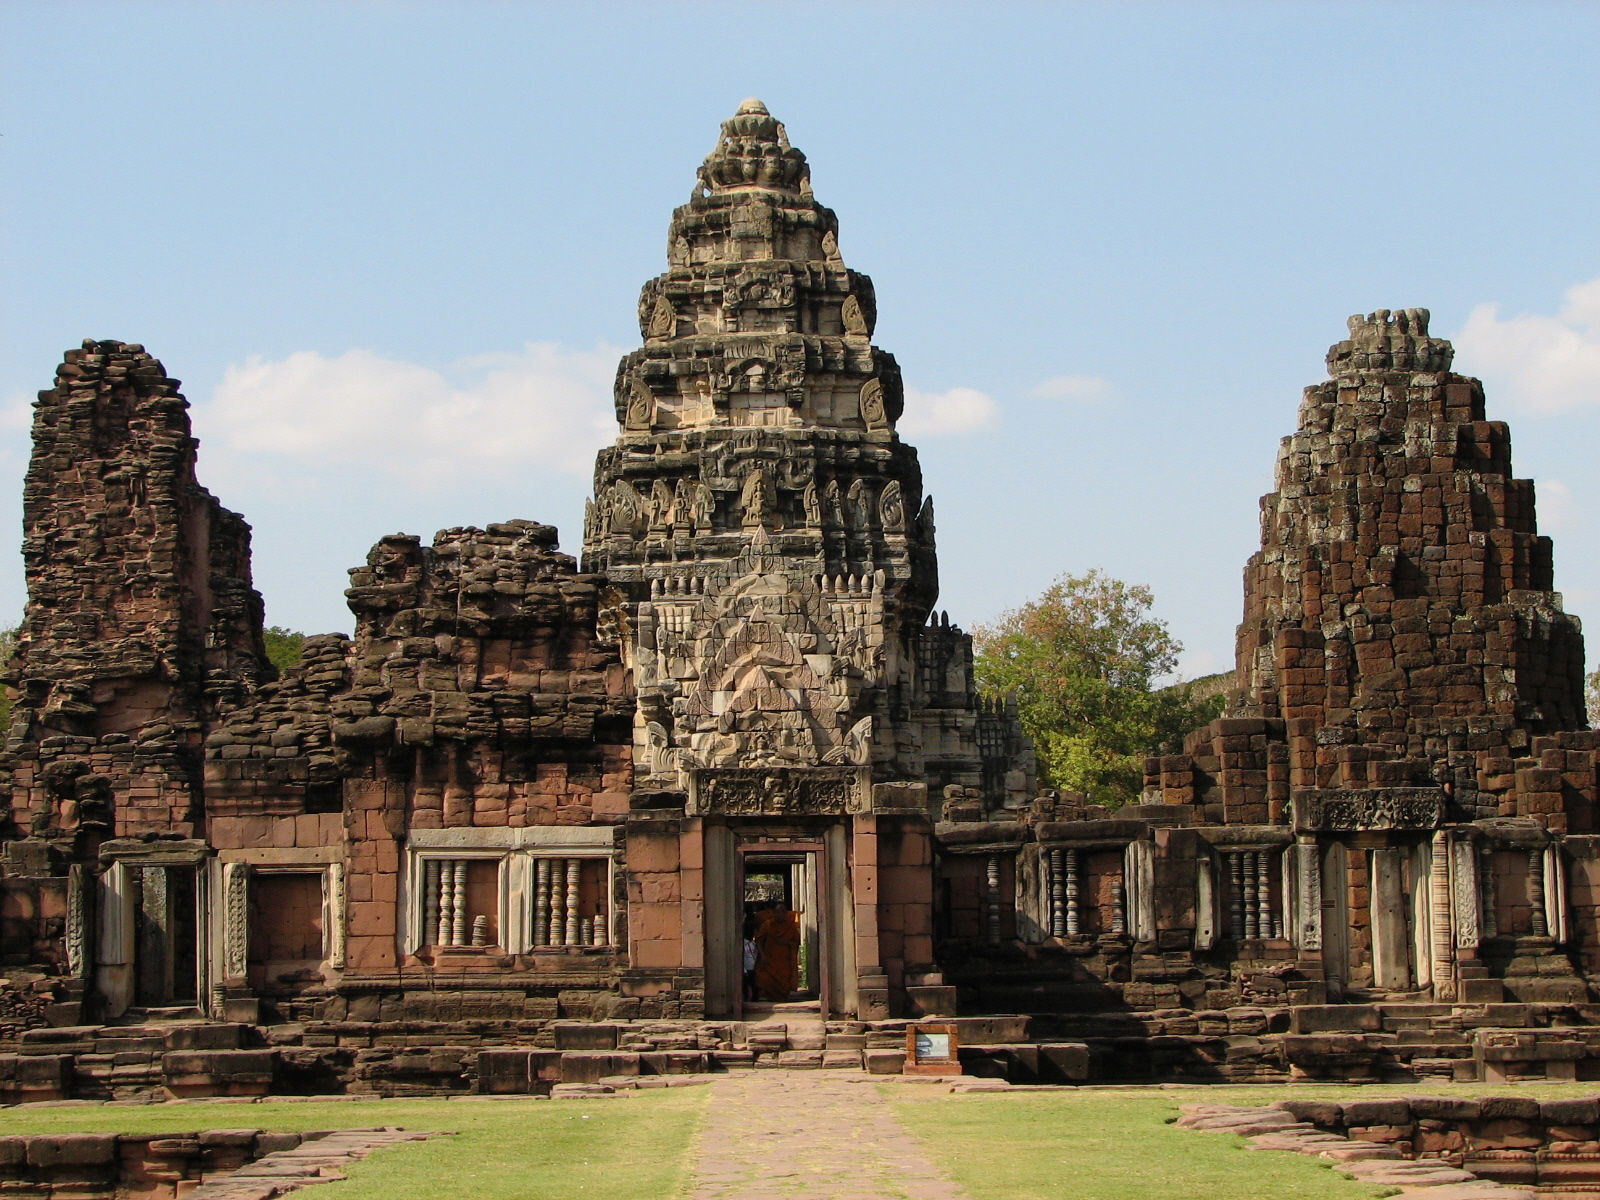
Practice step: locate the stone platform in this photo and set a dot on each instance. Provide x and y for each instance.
(1378, 1042)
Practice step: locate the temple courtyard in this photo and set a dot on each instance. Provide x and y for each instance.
(846, 1134)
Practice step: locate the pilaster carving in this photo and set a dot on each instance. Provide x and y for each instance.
(235, 920)
(1308, 907)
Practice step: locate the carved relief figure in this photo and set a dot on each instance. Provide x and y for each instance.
(872, 410)
(641, 407)
(663, 320)
(891, 508)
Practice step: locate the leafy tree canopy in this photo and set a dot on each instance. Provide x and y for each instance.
(1591, 696)
(1085, 661)
(284, 646)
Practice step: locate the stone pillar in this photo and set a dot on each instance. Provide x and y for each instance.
(333, 915)
(1391, 959)
(1441, 937)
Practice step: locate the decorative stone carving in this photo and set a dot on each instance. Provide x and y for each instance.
(1308, 900)
(77, 929)
(873, 414)
(641, 408)
(663, 319)
(892, 508)
(739, 792)
(236, 919)
(1377, 808)
(855, 321)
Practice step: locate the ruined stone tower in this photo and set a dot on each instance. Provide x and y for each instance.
(1410, 693)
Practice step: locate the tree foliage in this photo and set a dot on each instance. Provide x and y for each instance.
(1591, 696)
(8, 648)
(284, 646)
(1085, 661)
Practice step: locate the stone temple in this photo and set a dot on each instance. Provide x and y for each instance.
(511, 832)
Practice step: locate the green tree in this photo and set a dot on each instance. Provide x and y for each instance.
(284, 646)
(1591, 696)
(8, 648)
(1084, 661)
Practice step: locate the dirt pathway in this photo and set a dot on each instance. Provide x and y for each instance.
(808, 1135)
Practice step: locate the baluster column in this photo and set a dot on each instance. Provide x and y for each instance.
(458, 914)
(573, 867)
(1058, 896)
(1264, 894)
(1541, 927)
(1236, 924)
(430, 900)
(541, 902)
(991, 899)
(1074, 896)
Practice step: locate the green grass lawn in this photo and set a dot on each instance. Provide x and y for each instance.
(1087, 1144)
(1116, 1144)
(631, 1147)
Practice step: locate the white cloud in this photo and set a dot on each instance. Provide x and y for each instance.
(1075, 389)
(958, 410)
(542, 408)
(1535, 363)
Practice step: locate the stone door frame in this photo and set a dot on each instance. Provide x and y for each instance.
(726, 845)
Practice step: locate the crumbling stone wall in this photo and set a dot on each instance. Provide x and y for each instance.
(481, 692)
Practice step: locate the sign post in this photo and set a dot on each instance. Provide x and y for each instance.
(932, 1048)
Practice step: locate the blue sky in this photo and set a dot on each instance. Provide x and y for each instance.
(394, 250)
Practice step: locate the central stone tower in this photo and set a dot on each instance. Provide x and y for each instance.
(769, 533)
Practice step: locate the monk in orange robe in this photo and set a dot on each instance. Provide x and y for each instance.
(777, 953)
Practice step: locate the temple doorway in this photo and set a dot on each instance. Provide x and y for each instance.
(787, 887)
(779, 900)
(164, 906)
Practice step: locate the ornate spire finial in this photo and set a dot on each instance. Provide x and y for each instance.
(754, 152)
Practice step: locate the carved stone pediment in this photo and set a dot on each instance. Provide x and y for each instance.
(752, 792)
(1352, 810)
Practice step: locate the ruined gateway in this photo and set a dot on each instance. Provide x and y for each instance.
(505, 835)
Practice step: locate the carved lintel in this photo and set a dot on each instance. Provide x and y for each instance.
(750, 792)
(1358, 809)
